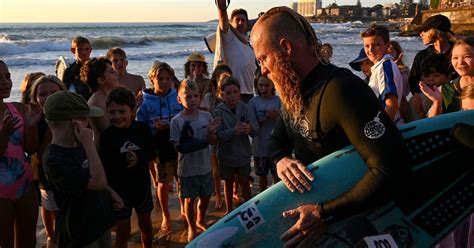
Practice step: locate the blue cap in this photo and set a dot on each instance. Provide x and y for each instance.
(355, 64)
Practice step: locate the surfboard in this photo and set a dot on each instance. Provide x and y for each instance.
(442, 165)
(61, 66)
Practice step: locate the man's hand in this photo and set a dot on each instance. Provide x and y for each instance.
(306, 230)
(294, 174)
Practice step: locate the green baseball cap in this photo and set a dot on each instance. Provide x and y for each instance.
(65, 105)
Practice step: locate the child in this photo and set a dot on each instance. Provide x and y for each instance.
(267, 109)
(435, 74)
(395, 50)
(233, 147)
(76, 175)
(195, 69)
(81, 48)
(462, 60)
(26, 84)
(208, 103)
(159, 106)
(119, 60)
(18, 197)
(386, 80)
(126, 147)
(41, 89)
(194, 165)
(362, 63)
(101, 78)
(326, 51)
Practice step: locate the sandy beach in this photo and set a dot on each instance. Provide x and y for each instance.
(177, 238)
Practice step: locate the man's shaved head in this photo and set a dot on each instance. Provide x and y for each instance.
(283, 22)
(278, 39)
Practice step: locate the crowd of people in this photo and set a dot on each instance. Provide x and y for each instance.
(89, 147)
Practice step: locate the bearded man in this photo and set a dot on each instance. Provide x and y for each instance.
(324, 109)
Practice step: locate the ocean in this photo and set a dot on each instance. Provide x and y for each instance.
(36, 47)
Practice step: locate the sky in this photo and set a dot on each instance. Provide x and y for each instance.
(135, 10)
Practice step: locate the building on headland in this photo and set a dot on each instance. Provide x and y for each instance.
(307, 8)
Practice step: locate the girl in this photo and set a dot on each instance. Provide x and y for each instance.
(266, 107)
(233, 147)
(18, 198)
(41, 89)
(160, 105)
(26, 84)
(101, 78)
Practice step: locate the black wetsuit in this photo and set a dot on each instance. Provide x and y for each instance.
(72, 75)
(345, 109)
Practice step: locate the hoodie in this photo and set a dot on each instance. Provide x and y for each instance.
(234, 150)
(165, 108)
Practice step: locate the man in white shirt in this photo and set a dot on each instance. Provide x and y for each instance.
(233, 48)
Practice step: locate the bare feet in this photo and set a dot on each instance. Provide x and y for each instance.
(218, 204)
(166, 226)
(201, 226)
(191, 234)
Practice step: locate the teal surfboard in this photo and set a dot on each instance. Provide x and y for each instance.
(444, 167)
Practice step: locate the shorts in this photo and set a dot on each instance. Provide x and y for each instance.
(166, 171)
(141, 202)
(263, 165)
(194, 186)
(47, 200)
(227, 172)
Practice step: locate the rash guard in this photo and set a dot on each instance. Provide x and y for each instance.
(340, 109)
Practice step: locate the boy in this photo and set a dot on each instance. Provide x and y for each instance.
(192, 131)
(76, 175)
(81, 48)
(233, 149)
(160, 105)
(126, 147)
(386, 80)
(119, 60)
(435, 76)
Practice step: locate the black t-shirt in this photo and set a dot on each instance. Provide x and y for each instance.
(84, 215)
(114, 145)
(42, 129)
(346, 107)
(72, 75)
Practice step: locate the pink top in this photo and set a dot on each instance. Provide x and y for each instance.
(15, 169)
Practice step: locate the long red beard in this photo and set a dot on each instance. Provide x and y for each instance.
(288, 86)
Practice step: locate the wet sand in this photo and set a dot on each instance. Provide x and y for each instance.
(178, 236)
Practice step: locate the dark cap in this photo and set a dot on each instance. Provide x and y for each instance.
(439, 22)
(65, 105)
(355, 64)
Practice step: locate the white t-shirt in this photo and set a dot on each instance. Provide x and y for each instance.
(238, 56)
(387, 79)
(196, 163)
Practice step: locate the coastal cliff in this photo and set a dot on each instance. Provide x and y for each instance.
(462, 20)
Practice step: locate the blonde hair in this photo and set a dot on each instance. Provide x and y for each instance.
(156, 68)
(26, 84)
(187, 85)
(467, 92)
(41, 80)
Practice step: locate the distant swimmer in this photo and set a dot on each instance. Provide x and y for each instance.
(118, 58)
